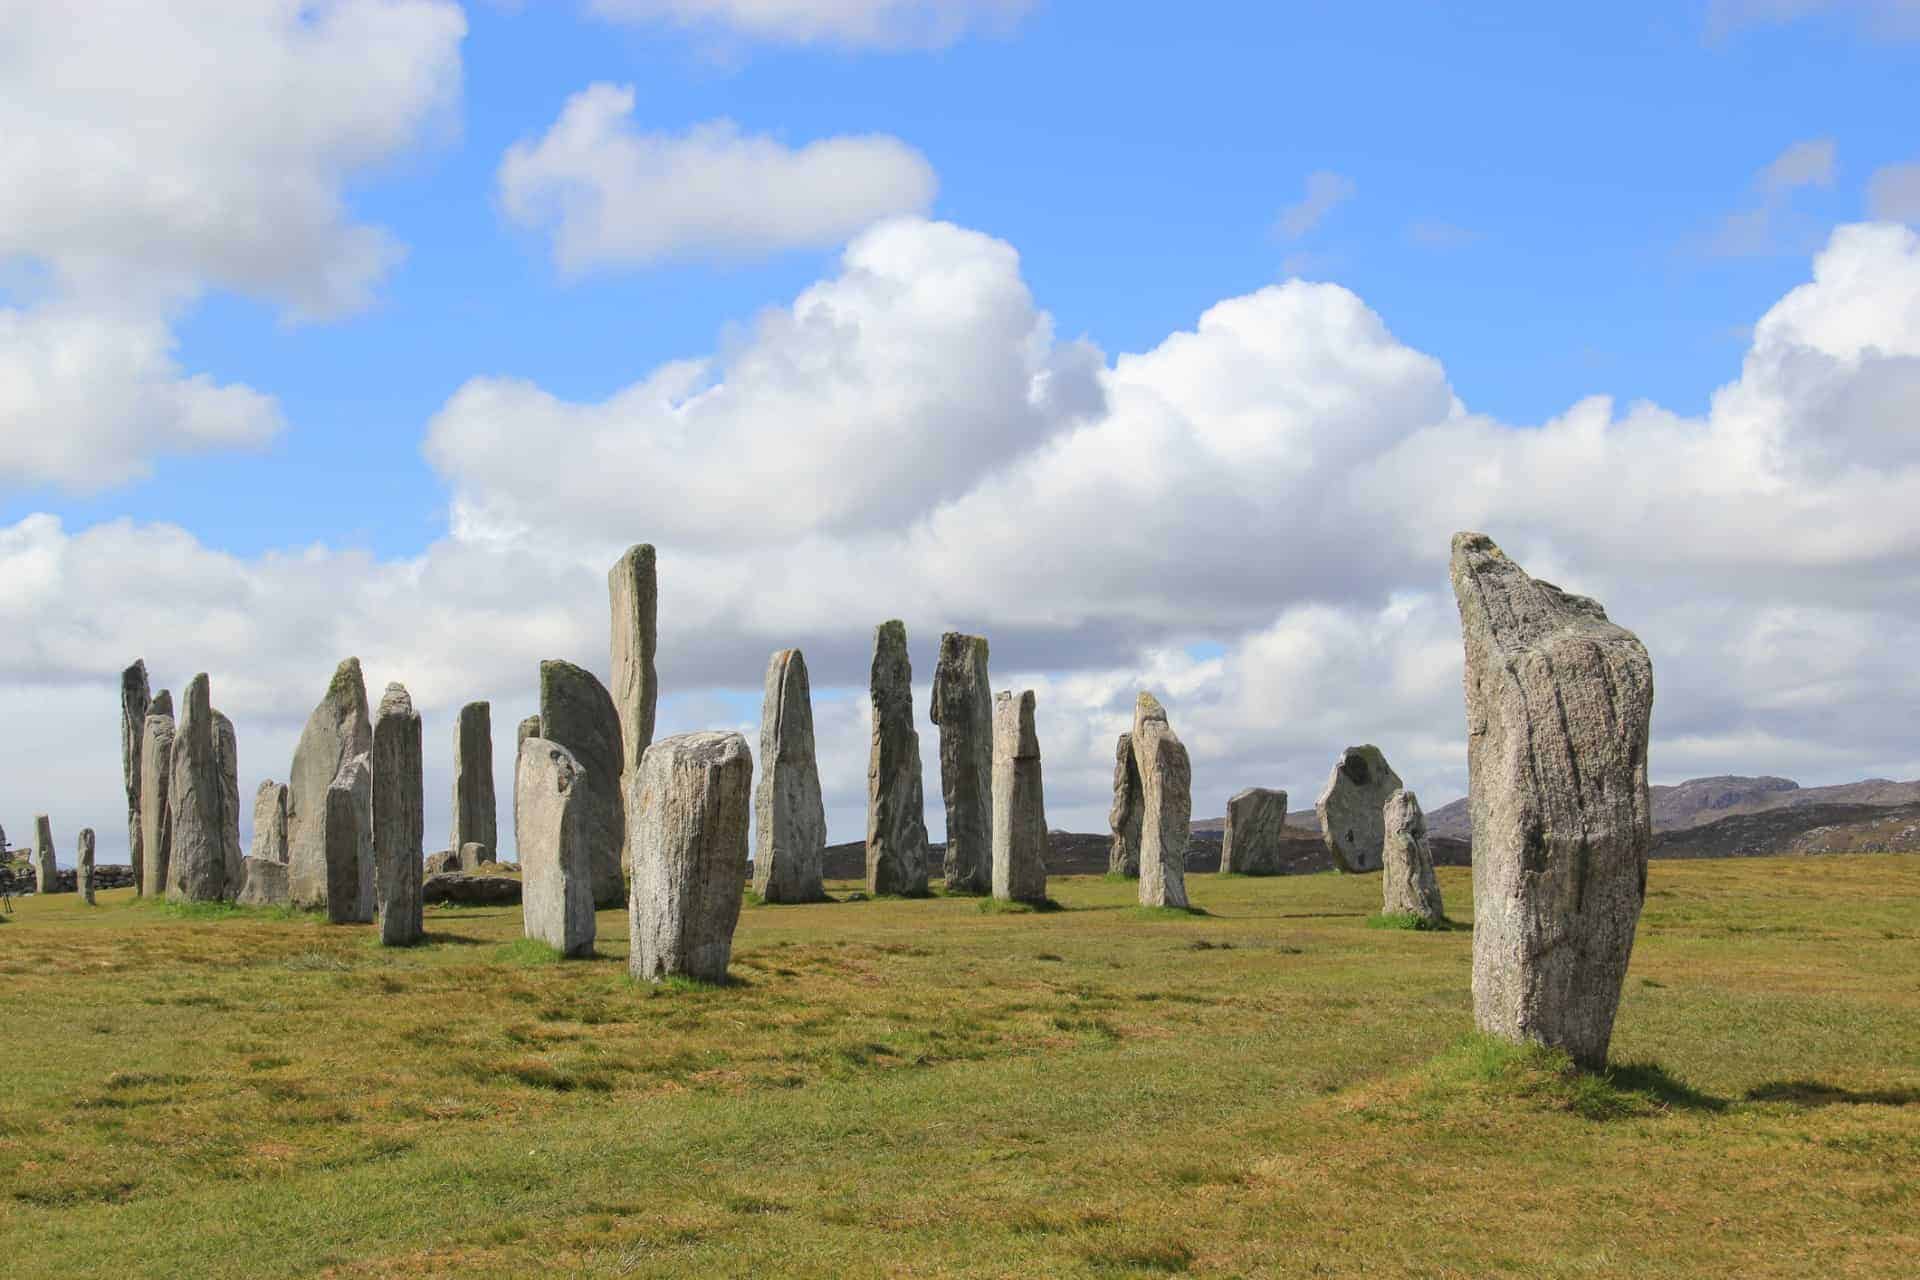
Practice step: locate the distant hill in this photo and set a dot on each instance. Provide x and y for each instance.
(1699, 801)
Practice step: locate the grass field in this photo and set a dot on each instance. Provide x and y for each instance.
(926, 1088)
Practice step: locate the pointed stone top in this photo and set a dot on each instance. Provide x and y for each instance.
(1496, 596)
(396, 701)
(1147, 707)
(348, 682)
(199, 698)
(162, 705)
(135, 677)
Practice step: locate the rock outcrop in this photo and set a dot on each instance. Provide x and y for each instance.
(551, 803)
(790, 819)
(1250, 844)
(399, 818)
(897, 850)
(475, 813)
(1559, 700)
(963, 708)
(1166, 788)
(690, 800)
(1350, 806)
(156, 816)
(135, 698)
(197, 866)
(338, 730)
(1019, 802)
(1407, 883)
(1129, 804)
(577, 712)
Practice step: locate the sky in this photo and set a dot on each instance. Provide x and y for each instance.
(1166, 350)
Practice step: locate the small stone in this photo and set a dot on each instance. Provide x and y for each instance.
(897, 851)
(135, 699)
(1408, 886)
(156, 816)
(1019, 802)
(633, 591)
(399, 818)
(442, 863)
(577, 712)
(83, 866)
(1166, 787)
(473, 855)
(963, 708)
(690, 804)
(270, 822)
(1129, 806)
(263, 883)
(338, 730)
(790, 819)
(551, 802)
(46, 872)
(1350, 806)
(196, 868)
(346, 834)
(1250, 845)
(475, 816)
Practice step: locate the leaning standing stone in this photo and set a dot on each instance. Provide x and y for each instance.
(963, 708)
(197, 869)
(790, 819)
(896, 816)
(577, 713)
(689, 803)
(399, 818)
(1408, 886)
(634, 592)
(1166, 786)
(46, 872)
(475, 820)
(1350, 807)
(156, 773)
(346, 835)
(1558, 705)
(338, 730)
(134, 701)
(550, 804)
(83, 866)
(1019, 803)
(1250, 846)
(1129, 804)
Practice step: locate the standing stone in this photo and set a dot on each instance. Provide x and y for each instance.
(1350, 806)
(46, 872)
(1019, 802)
(470, 856)
(1129, 807)
(690, 802)
(529, 728)
(896, 816)
(1408, 887)
(550, 806)
(197, 868)
(270, 822)
(634, 592)
(1166, 788)
(963, 708)
(83, 866)
(338, 730)
(226, 753)
(346, 840)
(263, 883)
(1250, 846)
(134, 701)
(577, 713)
(399, 818)
(475, 816)
(156, 815)
(1558, 705)
(790, 819)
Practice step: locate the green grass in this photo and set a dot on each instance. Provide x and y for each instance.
(921, 1088)
(1409, 920)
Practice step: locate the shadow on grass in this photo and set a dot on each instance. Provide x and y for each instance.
(1496, 1069)
(1170, 913)
(680, 984)
(431, 939)
(1412, 923)
(997, 907)
(1813, 1093)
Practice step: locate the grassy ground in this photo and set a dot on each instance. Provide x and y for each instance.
(923, 1088)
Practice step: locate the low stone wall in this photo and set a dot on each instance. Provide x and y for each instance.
(106, 876)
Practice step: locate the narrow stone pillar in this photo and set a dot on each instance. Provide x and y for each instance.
(156, 814)
(197, 868)
(475, 816)
(689, 810)
(1166, 784)
(226, 755)
(963, 708)
(270, 822)
(135, 699)
(790, 819)
(550, 802)
(633, 590)
(346, 837)
(896, 814)
(399, 818)
(1129, 806)
(46, 872)
(1407, 883)
(1019, 802)
(83, 866)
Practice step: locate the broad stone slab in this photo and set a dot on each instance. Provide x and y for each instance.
(577, 712)
(963, 709)
(1129, 807)
(550, 804)
(1558, 705)
(690, 804)
(399, 818)
(1350, 806)
(1019, 802)
(1166, 786)
(263, 883)
(1407, 883)
(897, 849)
(338, 730)
(197, 867)
(1250, 845)
(475, 813)
(135, 699)
(790, 819)
(270, 822)
(156, 814)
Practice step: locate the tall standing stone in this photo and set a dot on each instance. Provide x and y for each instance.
(577, 713)
(135, 698)
(1129, 807)
(550, 808)
(1559, 700)
(1407, 883)
(475, 815)
(346, 839)
(197, 867)
(338, 730)
(896, 815)
(46, 872)
(1250, 845)
(790, 819)
(156, 814)
(633, 590)
(963, 708)
(690, 802)
(399, 818)
(270, 822)
(1350, 806)
(1019, 802)
(529, 728)
(226, 754)
(83, 866)
(1166, 788)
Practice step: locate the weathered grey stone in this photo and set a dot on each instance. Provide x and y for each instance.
(226, 754)
(1407, 884)
(270, 822)
(529, 728)
(472, 855)
(634, 592)
(475, 813)
(1019, 802)
(963, 708)
(577, 712)
(1129, 807)
(1350, 806)
(1250, 845)
(442, 863)
(690, 802)
(338, 730)
(551, 803)
(1558, 705)
(135, 698)
(346, 836)
(197, 867)
(83, 865)
(1166, 789)
(896, 815)
(46, 872)
(471, 891)
(156, 815)
(399, 818)
(790, 819)
(263, 883)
